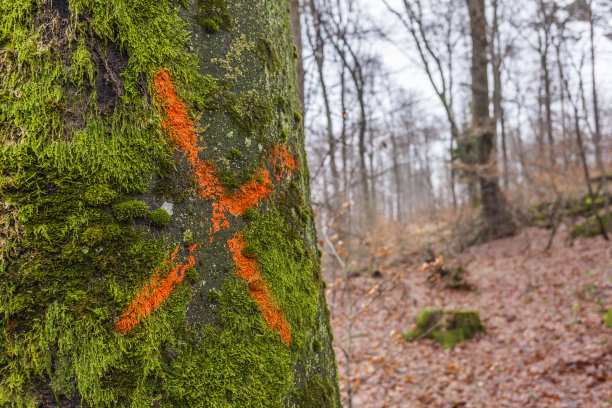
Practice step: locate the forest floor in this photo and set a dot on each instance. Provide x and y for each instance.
(546, 344)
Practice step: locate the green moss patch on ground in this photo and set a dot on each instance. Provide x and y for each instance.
(447, 327)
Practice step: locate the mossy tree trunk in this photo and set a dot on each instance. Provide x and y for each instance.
(157, 243)
(494, 206)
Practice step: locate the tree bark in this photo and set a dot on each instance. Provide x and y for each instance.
(496, 216)
(296, 27)
(158, 245)
(397, 179)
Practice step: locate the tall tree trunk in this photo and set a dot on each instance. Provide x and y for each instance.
(496, 216)
(363, 168)
(162, 250)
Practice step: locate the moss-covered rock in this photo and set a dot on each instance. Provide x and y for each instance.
(447, 327)
(543, 213)
(589, 228)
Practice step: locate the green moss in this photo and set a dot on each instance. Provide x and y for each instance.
(214, 296)
(215, 10)
(173, 184)
(316, 345)
(67, 148)
(236, 362)
(188, 237)
(291, 203)
(304, 214)
(130, 209)
(233, 178)
(250, 215)
(267, 54)
(599, 201)
(99, 195)
(280, 257)
(249, 113)
(297, 116)
(77, 304)
(447, 327)
(92, 236)
(608, 318)
(234, 154)
(318, 393)
(210, 26)
(283, 138)
(282, 104)
(589, 228)
(192, 274)
(159, 217)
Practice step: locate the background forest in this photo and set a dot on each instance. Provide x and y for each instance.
(462, 162)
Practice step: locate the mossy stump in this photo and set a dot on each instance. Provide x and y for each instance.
(447, 327)
(608, 319)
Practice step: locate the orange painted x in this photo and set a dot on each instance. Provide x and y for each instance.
(181, 130)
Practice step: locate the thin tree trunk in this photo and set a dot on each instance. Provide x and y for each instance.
(547, 103)
(397, 178)
(562, 91)
(498, 112)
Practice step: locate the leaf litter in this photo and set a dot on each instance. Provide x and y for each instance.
(546, 344)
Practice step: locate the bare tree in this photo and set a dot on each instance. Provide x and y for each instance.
(432, 42)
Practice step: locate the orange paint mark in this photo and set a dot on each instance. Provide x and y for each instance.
(285, 162)
(152, 295)
(181, 130)
(259, 290)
